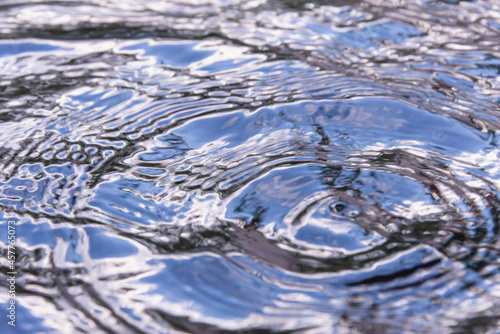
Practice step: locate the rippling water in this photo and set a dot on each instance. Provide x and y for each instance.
(216, 166)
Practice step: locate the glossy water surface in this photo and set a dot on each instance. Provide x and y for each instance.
(251, 166)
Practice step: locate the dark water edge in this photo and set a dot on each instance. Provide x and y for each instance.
(229, 166)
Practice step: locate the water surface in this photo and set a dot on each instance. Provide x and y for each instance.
(231, 166)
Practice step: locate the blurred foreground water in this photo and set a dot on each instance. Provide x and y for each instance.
(251, 166)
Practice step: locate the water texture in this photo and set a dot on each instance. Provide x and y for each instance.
(251, 166)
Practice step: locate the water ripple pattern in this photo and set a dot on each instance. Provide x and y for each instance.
(235, 166)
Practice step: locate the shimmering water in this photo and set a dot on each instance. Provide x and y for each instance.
(251, 166)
